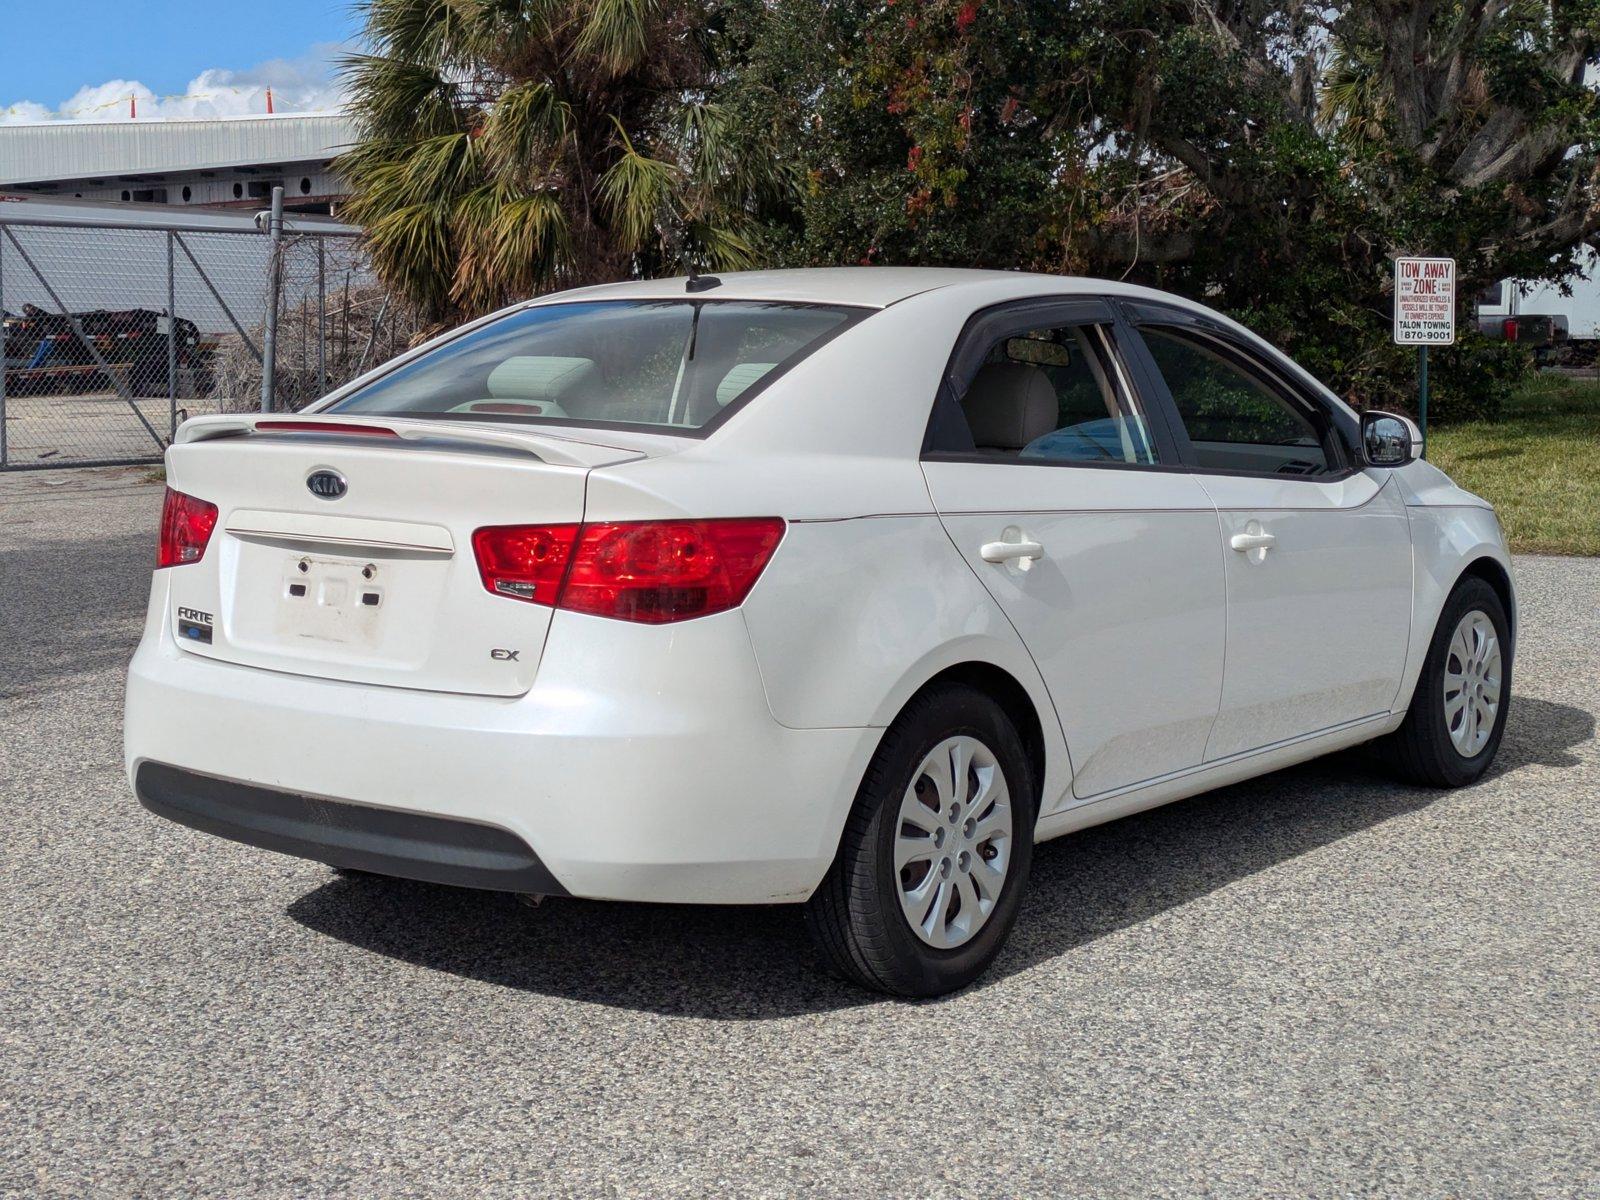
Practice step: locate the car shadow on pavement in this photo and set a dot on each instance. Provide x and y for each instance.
(756, 963)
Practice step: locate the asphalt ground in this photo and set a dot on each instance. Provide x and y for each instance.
(1318, 983)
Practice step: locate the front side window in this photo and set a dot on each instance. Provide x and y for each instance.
(669, 364)
(1055, 395)
(1235, 420)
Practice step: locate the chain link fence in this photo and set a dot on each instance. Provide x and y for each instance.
(116, 333)
(334, 321)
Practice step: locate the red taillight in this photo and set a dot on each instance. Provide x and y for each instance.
(186, 525)
(525, 562)
(659, 571)
(1510, 329)
(647, 571)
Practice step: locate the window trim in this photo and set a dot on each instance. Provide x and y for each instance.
(855, 314)
(947, 437)
(1267, 372)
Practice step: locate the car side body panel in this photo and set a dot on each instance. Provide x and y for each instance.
(1449, 534)
(1130, 571)
(829, 617)
(902, 608)
(832, 444)
(1319, 623)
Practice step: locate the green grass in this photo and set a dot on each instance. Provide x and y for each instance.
(1539, 465)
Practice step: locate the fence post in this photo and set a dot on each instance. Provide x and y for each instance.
(172, 341)
(269, 339)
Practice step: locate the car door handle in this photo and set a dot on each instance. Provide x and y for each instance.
(1246, 542)
(999, 552)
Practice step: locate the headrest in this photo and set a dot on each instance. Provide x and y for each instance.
(538, 377)
(1009, 405)
(737, 381)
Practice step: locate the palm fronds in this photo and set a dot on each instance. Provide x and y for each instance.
(1351, 96)
(527, 128)
(509, 146)
(636, 192)
(616, 32)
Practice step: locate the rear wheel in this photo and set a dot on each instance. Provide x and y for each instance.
(936, 852)
(1458, 712)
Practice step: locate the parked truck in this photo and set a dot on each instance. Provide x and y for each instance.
(44, 354)
(1559, 322)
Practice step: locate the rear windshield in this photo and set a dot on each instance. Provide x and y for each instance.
(675, 365)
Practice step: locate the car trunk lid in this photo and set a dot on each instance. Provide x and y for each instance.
(343, 548)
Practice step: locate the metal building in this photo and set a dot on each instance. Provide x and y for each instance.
(232, 162)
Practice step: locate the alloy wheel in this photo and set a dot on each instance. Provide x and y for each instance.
(952, 846)
(1472, 683)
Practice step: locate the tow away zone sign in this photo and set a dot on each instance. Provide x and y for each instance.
(1424, 301)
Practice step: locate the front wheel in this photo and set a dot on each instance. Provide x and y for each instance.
(936, 852)
(1458, 712)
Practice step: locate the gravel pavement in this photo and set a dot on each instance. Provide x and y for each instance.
(1317, 983)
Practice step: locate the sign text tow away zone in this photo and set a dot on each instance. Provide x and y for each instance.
(1424, 301)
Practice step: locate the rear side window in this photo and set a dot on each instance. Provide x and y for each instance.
(674, 365)
(1055, 394)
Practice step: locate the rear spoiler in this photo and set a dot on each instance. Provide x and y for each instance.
(412, 434)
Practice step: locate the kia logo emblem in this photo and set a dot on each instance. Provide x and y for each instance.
(326, 485)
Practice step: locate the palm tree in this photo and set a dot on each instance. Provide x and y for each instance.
(1351, 99)
(512, 146)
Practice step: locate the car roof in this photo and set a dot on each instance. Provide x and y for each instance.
(875, 287)
(882, 287)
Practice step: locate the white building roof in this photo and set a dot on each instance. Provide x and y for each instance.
(61, 150)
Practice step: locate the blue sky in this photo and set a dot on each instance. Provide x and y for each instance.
(52, 53)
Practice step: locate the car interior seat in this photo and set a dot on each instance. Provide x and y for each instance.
(1008, 405)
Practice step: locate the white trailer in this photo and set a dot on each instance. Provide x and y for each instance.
(1560, 321)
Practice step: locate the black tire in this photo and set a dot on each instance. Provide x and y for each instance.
(855, 915)
(1421, 750)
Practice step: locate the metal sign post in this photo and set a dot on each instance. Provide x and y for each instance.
(1422, 396)
(1424, 315)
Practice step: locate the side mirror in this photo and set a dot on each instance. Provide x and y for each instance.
(1388, 440)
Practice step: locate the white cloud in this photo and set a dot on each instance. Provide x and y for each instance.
(27, 110)
(304, 84)
(108, 101)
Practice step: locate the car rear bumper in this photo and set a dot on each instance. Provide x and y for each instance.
(671, 782)
(385, 840)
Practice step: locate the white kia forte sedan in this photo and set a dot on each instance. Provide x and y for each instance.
(842, 587)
